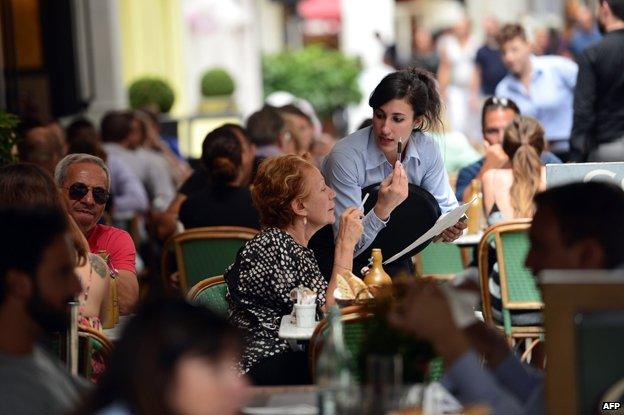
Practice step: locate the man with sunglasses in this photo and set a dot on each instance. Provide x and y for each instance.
(496, 115)
(85, 182)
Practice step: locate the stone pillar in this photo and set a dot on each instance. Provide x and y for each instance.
(109, 90)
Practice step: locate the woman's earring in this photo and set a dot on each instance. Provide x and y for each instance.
(305, 220)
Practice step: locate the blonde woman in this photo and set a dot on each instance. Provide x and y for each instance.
(508, 192)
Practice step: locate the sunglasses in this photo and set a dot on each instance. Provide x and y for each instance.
(79, 190)
(500, 102)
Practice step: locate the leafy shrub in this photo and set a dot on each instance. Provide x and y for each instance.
(8, 138)
(217, 82)
(151, 91)
(326, 78)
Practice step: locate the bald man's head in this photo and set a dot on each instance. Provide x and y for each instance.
(41, 146)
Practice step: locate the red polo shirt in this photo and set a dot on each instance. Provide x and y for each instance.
(118, 245)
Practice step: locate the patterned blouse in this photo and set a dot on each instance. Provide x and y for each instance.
(259, 282)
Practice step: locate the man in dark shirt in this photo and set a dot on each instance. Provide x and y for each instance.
(598, 129)
(489, 64)
(37, 280)
(497, 114)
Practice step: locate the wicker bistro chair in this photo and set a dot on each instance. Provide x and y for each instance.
(93, 347)
(518, 288)
(353, 320)
(210, 293)
(112, 315)
(204, 252)
(440, 260)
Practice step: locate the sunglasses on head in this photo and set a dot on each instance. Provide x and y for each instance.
(500, 102)
(79, 190)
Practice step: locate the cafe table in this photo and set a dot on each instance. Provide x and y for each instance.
(288, 330)
(468, 240)
(303, 400)
(113, 334)
(276, 400)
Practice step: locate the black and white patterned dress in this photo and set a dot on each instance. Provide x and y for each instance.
(259, 282)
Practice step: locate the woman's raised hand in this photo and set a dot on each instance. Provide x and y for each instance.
(392, 192)
(350, 227)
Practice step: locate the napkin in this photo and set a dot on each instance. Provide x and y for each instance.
(303, 296)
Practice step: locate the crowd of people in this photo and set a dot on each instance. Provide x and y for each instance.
(88, 207)
(563, 78)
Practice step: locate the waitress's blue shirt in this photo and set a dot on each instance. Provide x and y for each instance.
(356, 162)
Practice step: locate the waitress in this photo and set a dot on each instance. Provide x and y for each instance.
(405, 104)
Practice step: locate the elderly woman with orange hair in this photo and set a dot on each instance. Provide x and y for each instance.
(294, 203)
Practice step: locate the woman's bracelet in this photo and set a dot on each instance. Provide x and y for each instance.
(340, 266)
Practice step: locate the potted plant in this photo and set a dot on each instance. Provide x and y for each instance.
(8, 138)
(326, 78)
(217, 87)
(151, 92)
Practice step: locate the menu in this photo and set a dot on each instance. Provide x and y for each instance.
(445, 221)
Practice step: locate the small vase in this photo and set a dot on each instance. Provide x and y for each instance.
(377, 275)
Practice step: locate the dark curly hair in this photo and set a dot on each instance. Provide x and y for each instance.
(279, 181)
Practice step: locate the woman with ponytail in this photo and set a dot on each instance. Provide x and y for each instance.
(508, 192)
(405, 105)
(226, 201)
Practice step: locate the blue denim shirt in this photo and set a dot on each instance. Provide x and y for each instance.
(356, 162)
(549, 98)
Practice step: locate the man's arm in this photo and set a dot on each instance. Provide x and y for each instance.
(123, 259)
(584, 111)
(519, 379)
(127, 291)
(425, 313)
(473, 384)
